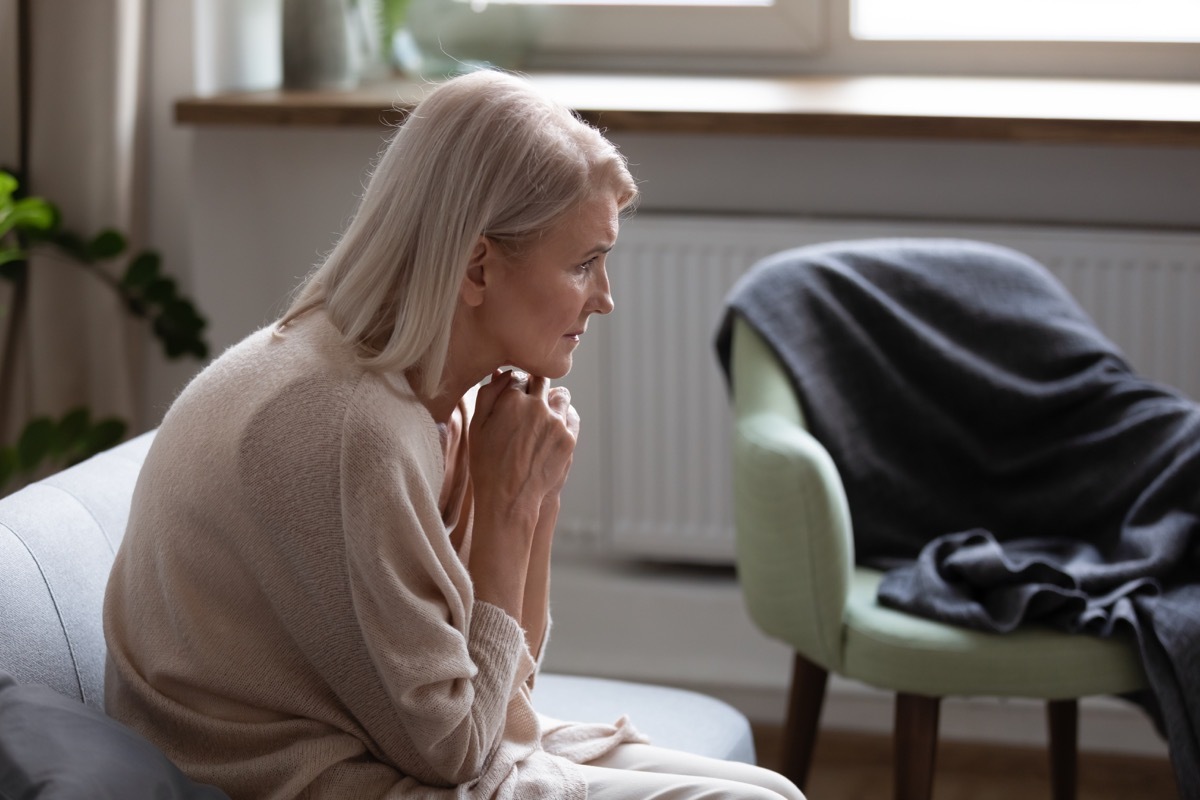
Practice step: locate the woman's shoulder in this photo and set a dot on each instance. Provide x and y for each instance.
(273, 384)
(385, 421)
(283, 392)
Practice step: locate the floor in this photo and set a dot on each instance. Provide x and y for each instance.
(854, 766)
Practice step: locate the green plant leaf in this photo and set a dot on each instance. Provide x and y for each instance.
(8, 254)
(182, 317)
(161, 291)
(142, 271)
(35, 443)
(72, 244)
(104, 434)
(72, 428)
(178, 327)
(108, 243)
(31, 214)
(173, 344)
(8, 455)
(14, 271)
(8, 185)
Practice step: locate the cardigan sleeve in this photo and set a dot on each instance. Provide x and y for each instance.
(448, 664)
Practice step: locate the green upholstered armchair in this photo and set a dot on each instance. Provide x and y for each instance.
(795, 557)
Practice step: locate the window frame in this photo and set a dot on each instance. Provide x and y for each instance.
(569, 41)
(599, 33)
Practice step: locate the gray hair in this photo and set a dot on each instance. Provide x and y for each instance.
(483, 154)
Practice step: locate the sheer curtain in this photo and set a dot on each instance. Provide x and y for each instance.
(86, 153)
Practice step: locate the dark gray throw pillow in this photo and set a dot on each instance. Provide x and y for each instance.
(56, 748)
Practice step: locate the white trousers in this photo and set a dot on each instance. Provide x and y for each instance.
(645, 772)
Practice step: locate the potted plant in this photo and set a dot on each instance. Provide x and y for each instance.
(30, 223)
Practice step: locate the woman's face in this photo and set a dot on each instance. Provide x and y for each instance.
(543, 296)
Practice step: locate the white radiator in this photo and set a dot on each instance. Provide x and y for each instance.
(651, 476)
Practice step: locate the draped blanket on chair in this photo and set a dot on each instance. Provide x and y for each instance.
(999, 455)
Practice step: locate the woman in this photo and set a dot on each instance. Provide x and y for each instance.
(334, 581)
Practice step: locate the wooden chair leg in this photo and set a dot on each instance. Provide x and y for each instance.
(803, 715)
(1063, 719)
(915, 745)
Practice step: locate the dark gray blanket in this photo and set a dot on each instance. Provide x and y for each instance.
(999, 455)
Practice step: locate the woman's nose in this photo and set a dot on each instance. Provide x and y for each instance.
(602, 299)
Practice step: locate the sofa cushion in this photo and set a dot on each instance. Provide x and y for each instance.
(675, 718)
(56, 748)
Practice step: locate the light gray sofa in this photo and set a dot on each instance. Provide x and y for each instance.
(57, 541)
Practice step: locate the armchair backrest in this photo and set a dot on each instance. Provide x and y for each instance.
(795, 547)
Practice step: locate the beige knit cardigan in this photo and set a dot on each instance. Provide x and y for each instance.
(287, 616)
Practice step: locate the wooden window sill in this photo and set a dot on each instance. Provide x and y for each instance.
(1075, 111)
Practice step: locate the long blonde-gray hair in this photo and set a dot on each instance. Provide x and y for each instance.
(482, 154)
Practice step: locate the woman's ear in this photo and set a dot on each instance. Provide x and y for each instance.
(480, 267)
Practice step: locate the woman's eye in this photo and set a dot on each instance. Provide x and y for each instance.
(587, 265)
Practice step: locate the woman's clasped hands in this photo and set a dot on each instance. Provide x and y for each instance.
(522, 438)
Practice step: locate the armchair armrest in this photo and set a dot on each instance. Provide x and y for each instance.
(795, 548)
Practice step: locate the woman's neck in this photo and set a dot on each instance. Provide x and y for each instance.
(468, 361)
(441, 405)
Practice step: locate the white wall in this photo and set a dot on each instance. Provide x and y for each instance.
(243, 213)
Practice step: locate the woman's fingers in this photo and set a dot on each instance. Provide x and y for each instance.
(520, 380)
(485, 400)
(559, 400)
(523, 435)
